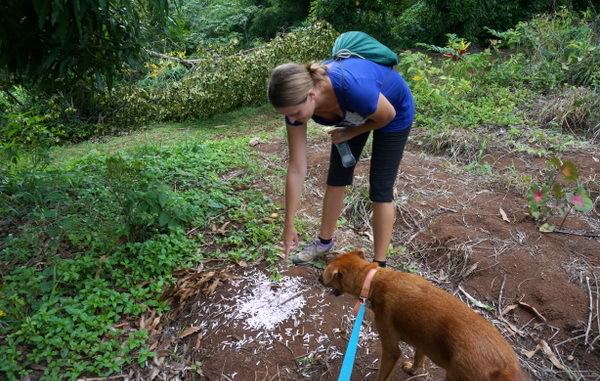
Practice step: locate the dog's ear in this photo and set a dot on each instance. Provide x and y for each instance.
(360, 252)
(329, 274)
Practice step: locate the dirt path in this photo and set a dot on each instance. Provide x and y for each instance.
(450, 230)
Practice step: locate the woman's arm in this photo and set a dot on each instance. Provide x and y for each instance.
(294, 181)
(384, 114)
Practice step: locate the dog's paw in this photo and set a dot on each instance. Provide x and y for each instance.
(408, 368)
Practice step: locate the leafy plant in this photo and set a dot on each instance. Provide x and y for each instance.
(455, 49)
(74, 268)
(560, 193)
(554, 48)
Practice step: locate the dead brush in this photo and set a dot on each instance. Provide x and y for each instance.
(575, 110)
(358, 210)
(459, 144)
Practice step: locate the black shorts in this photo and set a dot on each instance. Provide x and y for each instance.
(388, 148)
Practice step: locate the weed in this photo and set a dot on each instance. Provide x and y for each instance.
(99, 238)
(554, 196)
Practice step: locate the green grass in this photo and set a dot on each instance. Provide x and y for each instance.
(94, 238)
(248, 122)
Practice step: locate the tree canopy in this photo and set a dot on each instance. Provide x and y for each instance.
(55, 43)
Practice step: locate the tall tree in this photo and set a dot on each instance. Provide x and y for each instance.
(55, 44)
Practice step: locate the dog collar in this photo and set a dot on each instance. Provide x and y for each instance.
(364, 292)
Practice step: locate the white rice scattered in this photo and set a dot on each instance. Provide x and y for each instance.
(267, 305)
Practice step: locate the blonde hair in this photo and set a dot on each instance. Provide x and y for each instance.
(290, 83)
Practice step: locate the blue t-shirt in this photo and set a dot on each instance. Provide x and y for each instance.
(357, 84)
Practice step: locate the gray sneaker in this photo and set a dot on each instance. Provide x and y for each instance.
(312, 251)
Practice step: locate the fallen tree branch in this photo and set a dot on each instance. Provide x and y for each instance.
(591, 314)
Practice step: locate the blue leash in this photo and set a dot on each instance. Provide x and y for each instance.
(346, 371)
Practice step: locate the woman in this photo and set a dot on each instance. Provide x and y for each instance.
(358, 96)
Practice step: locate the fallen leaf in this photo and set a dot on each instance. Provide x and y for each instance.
(543, 345)
(189, 331)
(511, 327)
(155, 372)
(529, 354)
(470, 270)
(532, 309)
(212, 287)
(504, 216)
(476, 302)
(155, 322)
(546, 228)
(509, 308)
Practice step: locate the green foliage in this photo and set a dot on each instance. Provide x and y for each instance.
(377, 17)
(94, 241)
(459, 93)
(455, 49)
(552, 49)
(215, 86)
(402, 24)
(417, 23)
(278, 16)
(561, 192)
(57, 44)
(201, 24)
(468, 17)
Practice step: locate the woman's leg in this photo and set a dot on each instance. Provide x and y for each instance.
(337, 180)
(333, 203)
(388, 148)
(384, 216)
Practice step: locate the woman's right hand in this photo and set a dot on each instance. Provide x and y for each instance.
(290, 239)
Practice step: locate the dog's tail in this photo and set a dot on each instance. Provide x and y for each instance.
(506, 374)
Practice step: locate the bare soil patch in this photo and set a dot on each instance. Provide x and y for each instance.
(536, 288)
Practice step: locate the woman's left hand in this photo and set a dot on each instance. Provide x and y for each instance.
(341, 134)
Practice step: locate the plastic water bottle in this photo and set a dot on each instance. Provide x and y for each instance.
(348, 159)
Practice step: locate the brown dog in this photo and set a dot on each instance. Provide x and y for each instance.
(409, 308)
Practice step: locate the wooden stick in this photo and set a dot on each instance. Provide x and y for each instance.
(581, 233)
(589, 325)
(500, 296)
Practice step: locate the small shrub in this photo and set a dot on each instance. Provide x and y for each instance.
(455, 49)
(555, 48)
(560, 193)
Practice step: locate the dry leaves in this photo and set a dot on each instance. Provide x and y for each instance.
(191, 283)
(543, 345)
(189, 331)
(504, 216)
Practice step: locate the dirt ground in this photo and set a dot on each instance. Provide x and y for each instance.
(536, 288)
